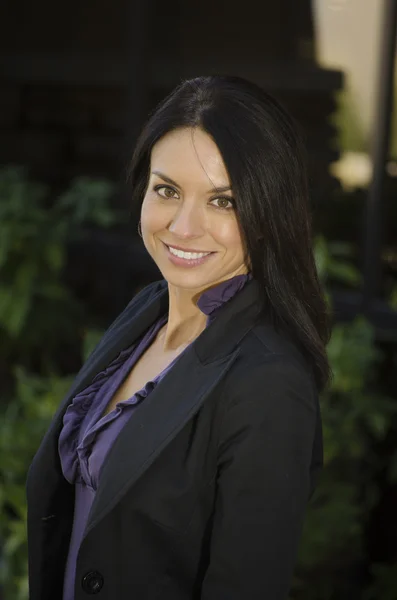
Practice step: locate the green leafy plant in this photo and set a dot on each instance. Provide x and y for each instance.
(356, 416)
(40, 319)
(22, 426)
(34, 233)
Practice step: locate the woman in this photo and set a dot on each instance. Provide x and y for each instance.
(180, 463)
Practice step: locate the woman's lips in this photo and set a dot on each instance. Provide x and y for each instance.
(187, 262)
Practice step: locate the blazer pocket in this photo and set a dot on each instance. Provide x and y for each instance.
(173, 513)
(169, 498)
(176, 485)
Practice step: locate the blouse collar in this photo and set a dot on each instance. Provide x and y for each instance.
(215, 297)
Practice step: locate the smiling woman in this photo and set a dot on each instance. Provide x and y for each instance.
(181, 462)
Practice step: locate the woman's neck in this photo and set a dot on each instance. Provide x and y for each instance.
(185, 319)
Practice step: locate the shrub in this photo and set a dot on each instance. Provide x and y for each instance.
(334, 560)
(34, 234)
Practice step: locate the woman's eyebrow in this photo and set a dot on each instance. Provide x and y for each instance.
(165, 178)
(225, 188)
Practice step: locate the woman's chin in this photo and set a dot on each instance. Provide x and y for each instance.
(189, 283)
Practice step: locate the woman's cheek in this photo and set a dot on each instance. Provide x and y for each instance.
(149, 215)
(227, 233)
(155, 217)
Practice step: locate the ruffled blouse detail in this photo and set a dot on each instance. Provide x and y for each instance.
(83, 423)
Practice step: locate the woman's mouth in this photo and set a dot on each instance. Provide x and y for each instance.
(187, 258)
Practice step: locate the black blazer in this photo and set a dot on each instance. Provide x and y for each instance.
(203, 494)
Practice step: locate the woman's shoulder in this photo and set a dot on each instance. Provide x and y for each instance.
(274, 343)
(268, 354)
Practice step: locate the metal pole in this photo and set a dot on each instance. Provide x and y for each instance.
(380, 149)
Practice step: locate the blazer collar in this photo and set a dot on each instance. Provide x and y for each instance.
(233, 320)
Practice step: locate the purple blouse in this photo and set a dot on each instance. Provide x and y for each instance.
(87, 435)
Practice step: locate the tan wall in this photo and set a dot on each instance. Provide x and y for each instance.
(348, 36)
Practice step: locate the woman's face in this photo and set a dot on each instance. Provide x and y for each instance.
(189, 228)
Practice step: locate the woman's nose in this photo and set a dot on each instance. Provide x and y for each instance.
(187, 222)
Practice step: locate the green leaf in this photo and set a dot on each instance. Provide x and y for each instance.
(321, 256)
(92, 338)
(55, 256)
(341, 249)
(344, 272)
(378, 423)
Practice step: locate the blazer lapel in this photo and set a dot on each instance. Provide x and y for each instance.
(161, 416)
(174, 401)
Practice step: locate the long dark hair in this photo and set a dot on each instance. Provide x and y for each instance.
(265, 159)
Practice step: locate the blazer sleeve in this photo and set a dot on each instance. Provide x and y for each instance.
(263, 485)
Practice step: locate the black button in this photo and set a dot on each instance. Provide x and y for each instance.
(92, 582)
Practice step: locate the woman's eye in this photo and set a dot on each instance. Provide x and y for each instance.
(223, 202)
(165, 191)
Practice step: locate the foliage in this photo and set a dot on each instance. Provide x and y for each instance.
(35, 231)
(22, 426)
(34, 234)
(357, 417)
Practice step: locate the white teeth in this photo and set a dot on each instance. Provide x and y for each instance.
(187, 255)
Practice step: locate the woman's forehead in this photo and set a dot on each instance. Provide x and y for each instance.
(190, 153)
